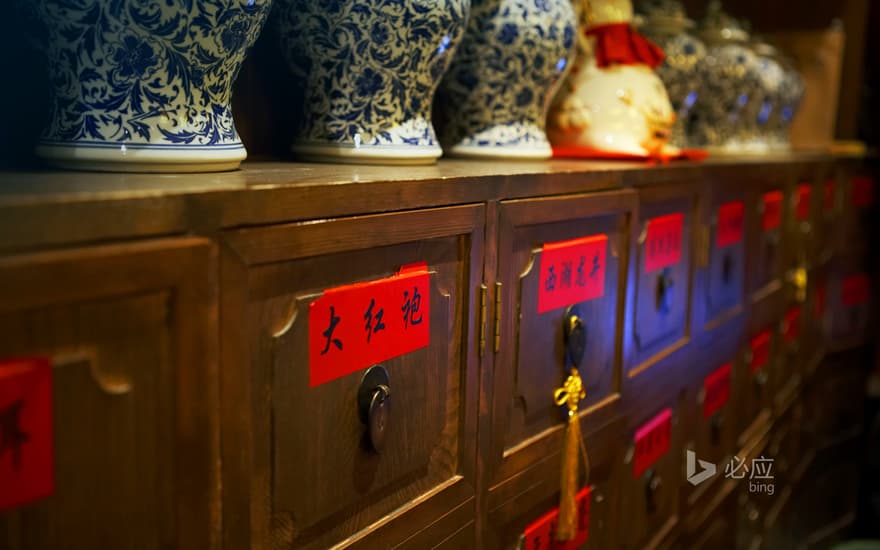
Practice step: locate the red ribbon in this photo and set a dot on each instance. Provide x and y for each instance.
(620, 44)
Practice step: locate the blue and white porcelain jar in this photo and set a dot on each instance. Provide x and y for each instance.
(146, 86)
(493, 102)
(369, 69)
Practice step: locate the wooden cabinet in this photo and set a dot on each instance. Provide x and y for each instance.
(560, 260)
(237, 362)
(299, 469)
(130, 331)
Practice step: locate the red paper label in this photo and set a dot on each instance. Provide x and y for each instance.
(541, 533)
(760, 345)
(26, 461)
(663, 242)
(571, 272)
(355, 326)
(862, 191)
(730, 223)
(771, 218)
(802, 206)
(855, 290)
(716, 390)
(828, 196)
(652, 441)
(792, 324)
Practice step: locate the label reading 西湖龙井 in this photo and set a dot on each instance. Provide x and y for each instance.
(355, 326)
(571, 271)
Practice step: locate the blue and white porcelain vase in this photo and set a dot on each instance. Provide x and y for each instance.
(146, 86)
(369, 69)
(493, 102)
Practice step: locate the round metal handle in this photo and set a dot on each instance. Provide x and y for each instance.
(727, 269)
(374, 405)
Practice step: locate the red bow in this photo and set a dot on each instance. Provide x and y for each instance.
(620, 44)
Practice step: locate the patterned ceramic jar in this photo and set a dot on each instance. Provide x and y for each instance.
(726, 120)
(791, 93)
(665, 23)
(369, 69)
(772, 78)
(493, 102)
(146, 86)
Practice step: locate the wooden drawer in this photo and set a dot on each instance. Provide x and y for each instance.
(650, 491)
(828, 222)
(523, 519)
(834, 399)
(765, 219)
(760, 371)
(718, 530)
(714, 433)
(300, 469)
(131, 334)
(554, 253)
(849, 299)
(662, 280)
(723, 277)
(801, 223)
(859, 199)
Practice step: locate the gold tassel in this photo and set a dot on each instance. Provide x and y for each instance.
(571, 392)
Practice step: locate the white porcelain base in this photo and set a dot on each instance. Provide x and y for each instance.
(513, 152)
(142, 158)
(396, 155)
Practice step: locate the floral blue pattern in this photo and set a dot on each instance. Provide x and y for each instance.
(496, 92)
(146, 74)
(369, 67)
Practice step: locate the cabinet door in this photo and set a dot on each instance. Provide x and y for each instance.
(306, 466)
(662, 280)
(722, 281)
(561, 260)
(765, 222)
(130, 331)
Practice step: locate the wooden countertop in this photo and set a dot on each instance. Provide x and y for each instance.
(40, 209)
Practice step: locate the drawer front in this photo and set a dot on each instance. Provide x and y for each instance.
(850, 298)
(560, 260)
(528, 519)
(828, 216)
(760, 371)
(765, 224)
(663, 267)
(859, 198)
(130, 332)
(651, 488)
(725, 271)
(802, 225)
(303, 459)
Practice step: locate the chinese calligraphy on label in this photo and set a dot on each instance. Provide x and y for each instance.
(760, 348)
(771, 217)
(355, 326)
(802, 206)
(26, 467)
(652, 441)
(716, 390)
(663, 242)
(730, 223)
(571, 272)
